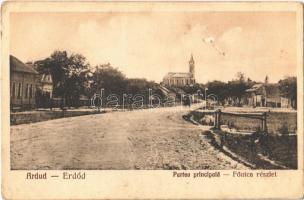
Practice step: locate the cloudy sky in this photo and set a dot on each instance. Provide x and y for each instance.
(150, 44)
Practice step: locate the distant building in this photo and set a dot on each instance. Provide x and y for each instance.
(24, 82)
(46, 85)
(181, 78)
(266, 95)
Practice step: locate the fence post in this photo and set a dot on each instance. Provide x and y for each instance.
(219, 119)
(215, 119)
(215, 116)
(265, 122)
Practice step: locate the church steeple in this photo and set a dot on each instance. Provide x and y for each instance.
(192, 66)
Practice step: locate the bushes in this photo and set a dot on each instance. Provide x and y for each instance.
(280, 149)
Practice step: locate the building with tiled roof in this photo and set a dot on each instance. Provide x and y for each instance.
(24, 82)
(18, 66)
(266, 95)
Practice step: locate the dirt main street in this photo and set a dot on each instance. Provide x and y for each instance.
(142, 139)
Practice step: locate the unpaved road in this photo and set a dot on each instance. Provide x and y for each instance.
(143, 139)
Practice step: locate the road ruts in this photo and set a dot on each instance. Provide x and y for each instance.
(142, 139)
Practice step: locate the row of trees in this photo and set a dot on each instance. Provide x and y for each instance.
(236, 88)
(73, 76)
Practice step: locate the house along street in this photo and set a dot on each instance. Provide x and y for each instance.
(142, 139)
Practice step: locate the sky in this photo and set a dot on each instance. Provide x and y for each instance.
(151, 44)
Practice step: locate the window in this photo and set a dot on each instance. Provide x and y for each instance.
(34, 90)
(31, 91)
(19, 95)
(13, 92)
(26, 90)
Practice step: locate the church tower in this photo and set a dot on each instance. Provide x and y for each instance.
(191, 66)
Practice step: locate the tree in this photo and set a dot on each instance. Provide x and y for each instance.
(240, 76)
(109, 78)
(193, 89)
(237, 87)
(288, 89)
(76, 80)
(218, 88)
(69, 74)
(114, 82)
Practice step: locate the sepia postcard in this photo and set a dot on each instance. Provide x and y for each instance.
(152, 100)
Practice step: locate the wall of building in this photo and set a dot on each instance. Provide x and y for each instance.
(178, 81)
(47, 88)
(28, 84)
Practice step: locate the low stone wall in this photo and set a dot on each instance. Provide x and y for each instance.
(38, 116)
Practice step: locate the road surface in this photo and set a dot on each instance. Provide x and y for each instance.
(142, 139)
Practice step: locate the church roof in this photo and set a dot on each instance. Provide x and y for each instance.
(178, 75)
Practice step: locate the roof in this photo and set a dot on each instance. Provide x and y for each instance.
(18, 66)
(178, 75)
(255, 87)
(46, 78)
(272, 90)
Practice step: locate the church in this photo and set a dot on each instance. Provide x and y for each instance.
(181, 78)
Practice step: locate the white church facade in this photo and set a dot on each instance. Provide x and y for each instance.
(181, 78)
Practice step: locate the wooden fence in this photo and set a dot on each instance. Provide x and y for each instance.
(259, 116)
